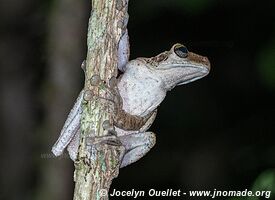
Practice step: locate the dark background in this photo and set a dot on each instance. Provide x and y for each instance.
(215, 133)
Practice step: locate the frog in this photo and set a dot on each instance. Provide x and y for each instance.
(140, 89)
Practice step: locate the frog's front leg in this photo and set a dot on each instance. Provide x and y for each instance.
(123, 51)
(136, 146)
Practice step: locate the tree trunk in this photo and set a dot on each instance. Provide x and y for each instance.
(96, 167)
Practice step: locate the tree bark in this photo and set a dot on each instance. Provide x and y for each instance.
(95, 167)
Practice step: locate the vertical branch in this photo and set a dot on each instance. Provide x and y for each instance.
(95, 167)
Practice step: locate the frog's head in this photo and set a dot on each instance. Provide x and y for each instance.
(178, 66)
(145, 81)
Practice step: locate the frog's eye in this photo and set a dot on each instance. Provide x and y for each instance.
(181, 51)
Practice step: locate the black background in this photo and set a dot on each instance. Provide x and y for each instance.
(217, 132)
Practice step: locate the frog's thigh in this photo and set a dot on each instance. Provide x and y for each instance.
(136, 145)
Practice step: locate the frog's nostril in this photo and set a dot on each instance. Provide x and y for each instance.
(206, 61)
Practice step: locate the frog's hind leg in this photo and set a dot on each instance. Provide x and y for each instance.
(70, 127)
(136, 145)
(73, 145)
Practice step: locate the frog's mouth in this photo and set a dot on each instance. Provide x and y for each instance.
(193, 74)
(182, 73)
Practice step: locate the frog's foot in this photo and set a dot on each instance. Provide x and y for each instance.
(110, 139)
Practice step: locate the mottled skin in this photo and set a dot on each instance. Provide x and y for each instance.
(140, 90)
